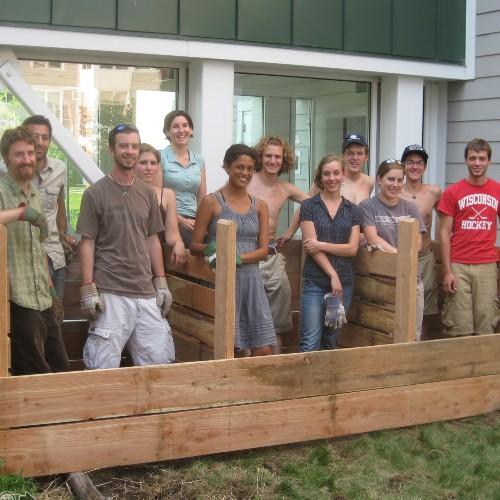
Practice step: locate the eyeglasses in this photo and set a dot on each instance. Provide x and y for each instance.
(391, 161)
(411, 163)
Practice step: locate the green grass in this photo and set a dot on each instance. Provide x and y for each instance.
(17, 484)
(452, 460)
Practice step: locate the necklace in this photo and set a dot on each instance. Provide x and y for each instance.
(413, 194)
(124, 187)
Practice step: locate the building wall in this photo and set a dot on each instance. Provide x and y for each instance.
(474, 106)
(378, 27)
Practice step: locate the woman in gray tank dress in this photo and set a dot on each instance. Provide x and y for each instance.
(254, 324)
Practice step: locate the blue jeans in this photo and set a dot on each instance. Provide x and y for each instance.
(57, 276)
(314, 335)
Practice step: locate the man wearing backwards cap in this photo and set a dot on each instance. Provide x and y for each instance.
(357, 186)
(426, 197)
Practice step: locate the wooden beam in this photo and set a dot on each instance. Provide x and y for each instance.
(406, 283)
(225, 290)
(371, 316)
(375, 263)
(375, 289)
(194, 267)
(197, 297)
(189, 349)
(192, 323)
(60, 448)
(58, 397)
(4, 306)
(356, 336)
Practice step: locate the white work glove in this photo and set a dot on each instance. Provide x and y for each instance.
(163, 295)
(90, 302)
(335, 312)
(371, 248)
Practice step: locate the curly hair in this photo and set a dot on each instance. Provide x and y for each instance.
(288, 154)
(13, 135)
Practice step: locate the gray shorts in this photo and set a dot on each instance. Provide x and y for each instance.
(133, 322)
(427, 270)
(278, 291)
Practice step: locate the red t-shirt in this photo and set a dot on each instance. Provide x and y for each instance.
(475, 210)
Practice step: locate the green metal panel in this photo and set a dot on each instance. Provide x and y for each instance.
(318, 23)
(153, 16)
(28, 11)
(368, 26)
(265, 21)
(210, 19)
(415, 28)
(88, 13)
(451, 30)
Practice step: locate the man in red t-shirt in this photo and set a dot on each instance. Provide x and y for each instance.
(468, 213)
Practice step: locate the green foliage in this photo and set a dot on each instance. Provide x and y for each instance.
(17, 484)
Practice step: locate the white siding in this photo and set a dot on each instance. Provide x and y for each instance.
(474, 106)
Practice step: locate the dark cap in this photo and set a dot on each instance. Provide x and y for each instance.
(414, 149)
(353, 138)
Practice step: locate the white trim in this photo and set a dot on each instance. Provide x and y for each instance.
(160, 48)
(373, 159)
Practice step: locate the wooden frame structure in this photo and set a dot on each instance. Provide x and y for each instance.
(81, 420)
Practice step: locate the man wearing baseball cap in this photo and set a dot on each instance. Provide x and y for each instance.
(357, 186)
(426, 197)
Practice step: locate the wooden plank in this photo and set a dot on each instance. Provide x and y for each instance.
(4, 306)
(36, 399)
(189, 349)
(225, 290)
(375, 263)
(357, 336)
(81, 446)
(192, 323)
(406, 282)
(371, 316)
(376, 289)
(194, 267)
(197, 297)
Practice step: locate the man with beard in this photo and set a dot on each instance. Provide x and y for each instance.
(36, 341)
(124, 292)
(50, 180)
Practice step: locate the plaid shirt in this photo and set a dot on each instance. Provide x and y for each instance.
(336, 230)
(26, 257)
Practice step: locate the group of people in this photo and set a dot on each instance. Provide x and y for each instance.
(151, 199)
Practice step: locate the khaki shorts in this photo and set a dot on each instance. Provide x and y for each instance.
(473, 308)
(427, 271)
(278, 291)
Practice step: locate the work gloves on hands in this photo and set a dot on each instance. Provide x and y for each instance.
(36, 219)
(90, 302)
(163, 295)
(335, 313)
(211, 256)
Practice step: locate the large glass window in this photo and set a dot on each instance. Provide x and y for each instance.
(89, 100)
(312, 114)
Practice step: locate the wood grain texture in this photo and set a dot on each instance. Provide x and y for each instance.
(225, 290)
(194, 267)
(376, 289)
(191, 323)
(79, 446)
(192, 295)
(371, 316)
(406, 282)
(38, 399)
(188, 348)
(376, 262)
(353, 335)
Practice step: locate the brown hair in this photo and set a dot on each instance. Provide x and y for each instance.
(477, 145)
(274, 140)
(387, 165)
(39, 120)
(324, 161)
(13, 135)
(147, 148)
(170, 117)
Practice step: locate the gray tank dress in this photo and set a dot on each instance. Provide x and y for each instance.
(254, 323)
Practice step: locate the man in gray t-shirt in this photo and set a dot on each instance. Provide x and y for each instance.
(124, 292)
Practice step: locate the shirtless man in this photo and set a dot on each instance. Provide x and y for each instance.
(426, 197)
(357, 185)
(275, 158)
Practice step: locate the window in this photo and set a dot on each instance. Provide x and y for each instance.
(89, 100)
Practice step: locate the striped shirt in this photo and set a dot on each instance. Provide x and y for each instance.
(26, 257)
(337, 231)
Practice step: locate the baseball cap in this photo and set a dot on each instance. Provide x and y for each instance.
(353, 138)
(414, 149)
